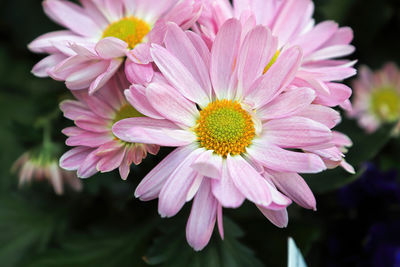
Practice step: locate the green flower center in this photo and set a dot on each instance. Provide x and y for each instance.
(385, 104)
(225, 127)
(130, 29)
(125, 112)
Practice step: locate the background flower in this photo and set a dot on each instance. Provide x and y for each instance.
(96, 148)
(377, 97)
(100, 34)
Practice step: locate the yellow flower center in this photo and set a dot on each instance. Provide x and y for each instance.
(125, 112)
(129, 29)
(385, 104)
(225, 127)
(273, 60)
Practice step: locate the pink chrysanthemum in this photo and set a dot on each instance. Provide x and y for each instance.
(39, 166)
(377, 97)
(96, 148)
(291, 21)
(101, 33)
(240, 131)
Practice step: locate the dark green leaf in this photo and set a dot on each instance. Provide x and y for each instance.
(171, 249)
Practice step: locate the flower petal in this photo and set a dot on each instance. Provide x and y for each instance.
(173, 194)
(202, 218)
(150, 187)
(272, 83)
(152, 131)
(294, 186)
(177, 74)
(278, 159)
(171, 104)
(223, 56)
(248, 181)
(226, 191)
(278, 217)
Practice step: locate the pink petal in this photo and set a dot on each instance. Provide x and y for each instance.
(111, 161)
(88, 166)
(172, 105)
(173, 194)
(343, 36)
(177, 74)
(319, 34)
(111, 47)
(202, 217)
(137, 98)
(151, 131)
(287, 104)
(104, 77)
(82, 78)
(220, 221)
(200, 46)
(279, 159)
(271, 84)
(223, 55)
(321, 114)
(45, 42)
(226, 191)
(41, 69)
(208, 164)
(248, 181)
(278, 217)
(138, 73)
(289, 19)
(89, 139)
(257, 50)
(294, 186)
(150, 187)
(296, 132)
(72, 159)
(179, 45)
(339, 94)
(74, 109)
(93, 123)
(194, 188)
(332, 52)
(71, 16)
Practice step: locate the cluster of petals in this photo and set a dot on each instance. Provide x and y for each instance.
(85, 59)
(292, 133)
(95, 147)
(272, 73)
(32, 169)
(377, 97)
(291, 21)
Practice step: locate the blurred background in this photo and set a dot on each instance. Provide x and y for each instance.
(358, 216)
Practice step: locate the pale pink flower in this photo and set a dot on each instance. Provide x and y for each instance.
(236, 127)
(96, 148)
(39, 167)
(101, 33)
(292, 23)
(376, 97)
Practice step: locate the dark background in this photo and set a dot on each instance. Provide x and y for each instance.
(355, 225)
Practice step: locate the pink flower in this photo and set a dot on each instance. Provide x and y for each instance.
(96, 148)
(376, 97)
(236, 127)
(41, 166)
(292, 23)
(100, 34)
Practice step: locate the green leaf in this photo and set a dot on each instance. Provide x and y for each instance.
(365, 148)
(24, 229)
(104, 246)
(171, 249)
